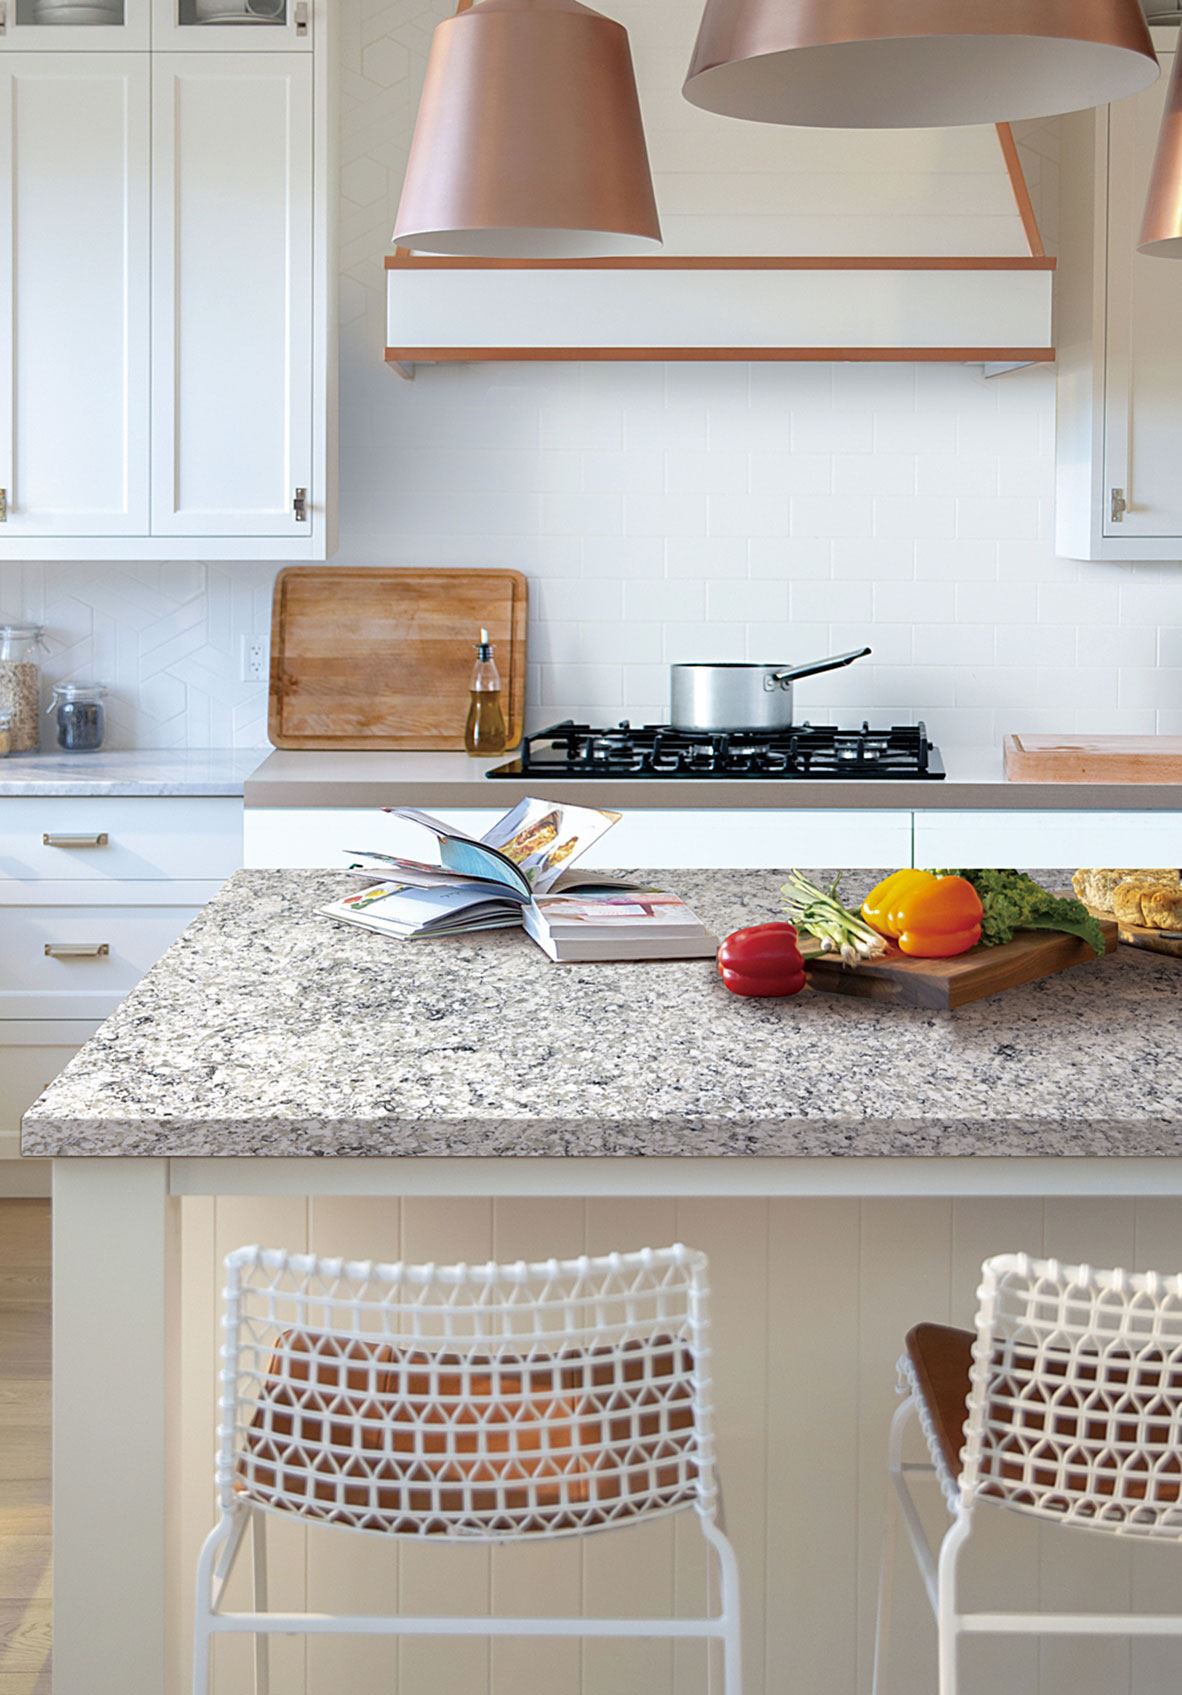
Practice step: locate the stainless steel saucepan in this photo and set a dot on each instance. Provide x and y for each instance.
(742, 696)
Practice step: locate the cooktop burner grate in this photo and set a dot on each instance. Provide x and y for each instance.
(657, 750)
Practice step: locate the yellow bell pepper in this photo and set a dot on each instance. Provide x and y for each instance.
(929, 917)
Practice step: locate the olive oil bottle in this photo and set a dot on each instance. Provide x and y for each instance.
(485, 729)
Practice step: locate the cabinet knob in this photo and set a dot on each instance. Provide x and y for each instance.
(77, 950)
(299, 505)
(1119, 506)
(53, 838)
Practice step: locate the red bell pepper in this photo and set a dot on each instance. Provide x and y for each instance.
(762, 960)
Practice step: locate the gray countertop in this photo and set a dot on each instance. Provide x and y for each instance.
(975, 781)
(267, 1030)
(150, 771)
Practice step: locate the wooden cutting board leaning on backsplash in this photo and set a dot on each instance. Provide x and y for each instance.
(381, 657)
(1093, 759)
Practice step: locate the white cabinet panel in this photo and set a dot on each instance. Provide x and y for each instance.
(149, 838)
(74, 189)
(31, 1055)
(233, 26)
(232, 294)
(1119, 335)
(98, 950)
(1048, 839)
(1142, 421)
(28, 27)
(290, 836)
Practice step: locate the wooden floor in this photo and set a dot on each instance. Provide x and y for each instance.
(24, 1448)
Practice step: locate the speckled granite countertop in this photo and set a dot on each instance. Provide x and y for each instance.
(266, 1030)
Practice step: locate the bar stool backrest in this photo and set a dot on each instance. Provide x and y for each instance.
(1075, 1408)
(490, 1401)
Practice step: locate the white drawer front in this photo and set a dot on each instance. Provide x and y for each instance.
(1048, 839)
(31, 1055)
(93, 839)
(97, 952)
(283, 836)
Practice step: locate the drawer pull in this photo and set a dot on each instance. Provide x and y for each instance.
(52, 838)
(77, 950)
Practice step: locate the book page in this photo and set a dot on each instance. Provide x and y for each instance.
(543, 837)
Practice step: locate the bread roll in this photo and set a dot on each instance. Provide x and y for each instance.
(1163, 908)
(1134, 900)
(1095, 887)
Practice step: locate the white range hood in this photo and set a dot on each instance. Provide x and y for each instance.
(779, 244)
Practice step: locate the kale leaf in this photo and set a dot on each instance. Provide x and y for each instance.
(1014, 901)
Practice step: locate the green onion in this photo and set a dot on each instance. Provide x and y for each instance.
(820, 913)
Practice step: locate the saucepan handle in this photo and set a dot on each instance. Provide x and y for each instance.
(818, 665)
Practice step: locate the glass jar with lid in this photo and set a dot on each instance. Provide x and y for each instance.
(20, 683)
(80, 715)
(5, 732)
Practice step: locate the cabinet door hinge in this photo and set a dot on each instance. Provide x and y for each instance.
(1119, 505)
(300, 14)
(299, 505)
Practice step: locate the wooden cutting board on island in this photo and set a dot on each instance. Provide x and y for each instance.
(941, 985)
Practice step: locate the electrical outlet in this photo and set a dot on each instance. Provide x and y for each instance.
(254, 660)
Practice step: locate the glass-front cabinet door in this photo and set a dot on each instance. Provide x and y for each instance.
(88, 26)
(249, 26)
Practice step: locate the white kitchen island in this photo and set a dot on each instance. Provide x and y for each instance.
(846, 1166)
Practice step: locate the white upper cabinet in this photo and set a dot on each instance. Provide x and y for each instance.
(86, 26)
(229, 26)
(232, 295)
(1119, 334)
(74, 182)
(166, 285)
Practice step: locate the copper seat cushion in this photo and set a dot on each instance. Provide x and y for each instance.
(942, 1359)
(1061, 1425)
(405, 1440)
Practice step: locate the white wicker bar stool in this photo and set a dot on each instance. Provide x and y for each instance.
(474, 1403)
(1067, 1405)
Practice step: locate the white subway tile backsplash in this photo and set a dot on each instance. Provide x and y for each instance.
(918, 517)
(665, 514)
(704, 557)
(799, 558)
(689, 511)
(712, 643)
(832, 432)
(1003, 518)
(832, 515)
(748, 601)
(817, 603)
(680, 602)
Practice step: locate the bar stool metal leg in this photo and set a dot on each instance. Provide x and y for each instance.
(890, 1540)
(258, 1572)
(948, 1620)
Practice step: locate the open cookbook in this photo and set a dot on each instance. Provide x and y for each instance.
(518, 873)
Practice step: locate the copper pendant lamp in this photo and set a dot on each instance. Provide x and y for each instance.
(903, 64)
(1161, 229)
(529, 142)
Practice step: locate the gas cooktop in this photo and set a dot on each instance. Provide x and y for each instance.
(657, 750)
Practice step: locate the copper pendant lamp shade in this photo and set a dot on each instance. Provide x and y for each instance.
(529, 142)
(902, 64)
(1161, 230)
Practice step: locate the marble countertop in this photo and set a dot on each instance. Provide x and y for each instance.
(150, 771)
(975, 781)
(268, 1030)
